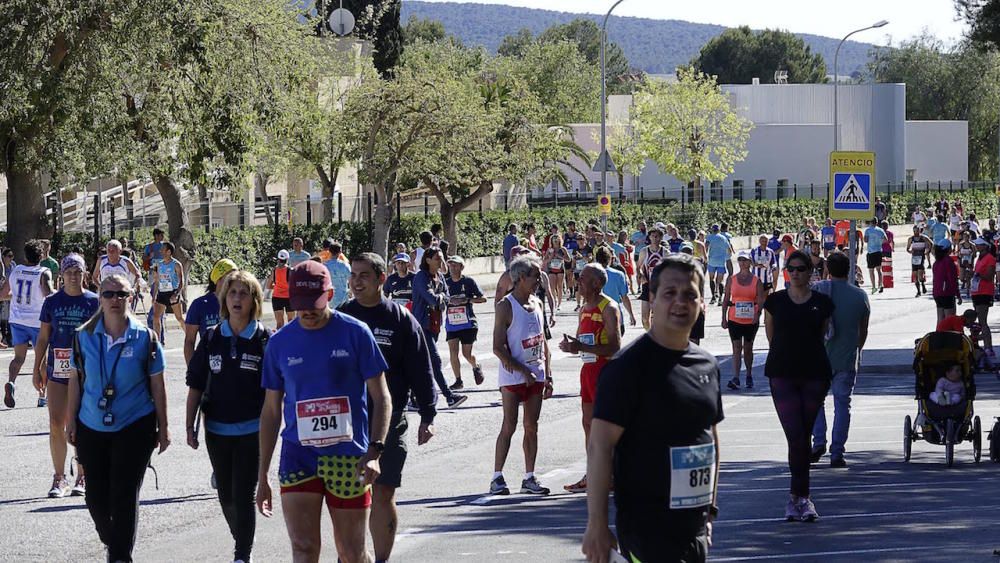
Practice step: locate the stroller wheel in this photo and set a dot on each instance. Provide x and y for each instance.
(977, 439)
(907, 437)
(949, 443)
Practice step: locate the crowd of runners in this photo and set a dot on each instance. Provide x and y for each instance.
(354, 348)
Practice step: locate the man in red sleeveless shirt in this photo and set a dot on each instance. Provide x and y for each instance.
(597, 339)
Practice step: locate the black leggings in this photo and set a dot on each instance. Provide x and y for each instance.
(436, 363)
(235, 460)
(797, 402)
(116, 464)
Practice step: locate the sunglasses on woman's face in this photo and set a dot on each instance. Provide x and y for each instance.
(108, 294)
(799, 269)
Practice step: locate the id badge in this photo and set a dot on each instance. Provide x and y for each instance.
(692, 471)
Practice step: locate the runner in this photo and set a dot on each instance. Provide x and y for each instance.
(426, 238)
(525, 366)
(818, 263)
(626, 258)
(719, 250)
(796, 321)
(556, 257)
(672, 239)
(509, 241)
(982, 287)
(224, 382)
(62, 313)
(430, 298)
(297, 255)
(402, 343)
(765, 264)
(399, 285)
(50, 262)
(648, 260)
(277, 283)
(340, 275)
(169, 285)
(117, 413)
(698, 250)
(787, 248)
(945, 285)
(597, 339)
(205, 311)
(698, 330)
(115, 263)
(919, 218)
(829, 236)
(658, 405)
(582, 256)
(460, 324)
(741, 307)
(875, 236)
(572, 246)
(6, 267)
(966, 256)
(26, 288)
(843, 228)
(321, 371)
(152, 255)
(616, 287)
(919, 248)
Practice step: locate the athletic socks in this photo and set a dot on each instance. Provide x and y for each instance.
(496, 475)
(529, 475)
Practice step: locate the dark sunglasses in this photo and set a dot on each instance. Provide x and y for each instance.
(797, 268)
(108, 294)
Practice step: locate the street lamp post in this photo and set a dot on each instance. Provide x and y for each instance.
(604, 110)
(853, 235)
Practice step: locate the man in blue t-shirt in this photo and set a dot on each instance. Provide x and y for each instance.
(340, 274)
(939, 230)
(828, 234)
(719, 250)
(874, 237)
(509, 241)
(321, 369)
(62, 313)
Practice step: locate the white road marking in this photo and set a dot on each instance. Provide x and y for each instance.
(739, 488)
(929, 548)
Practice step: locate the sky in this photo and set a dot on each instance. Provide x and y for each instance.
(832, 19)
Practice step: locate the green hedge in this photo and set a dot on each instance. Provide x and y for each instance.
(255, 248)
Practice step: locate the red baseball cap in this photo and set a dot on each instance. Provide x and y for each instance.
(309, 286)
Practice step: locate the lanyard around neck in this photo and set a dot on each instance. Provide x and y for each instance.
(106, 379)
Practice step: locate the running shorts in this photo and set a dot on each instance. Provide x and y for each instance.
(21, 334)
(920, 268)
(303, 470)
(647, 543)
(281, 304)
(716, 269)
(524, 392)
(588, 385)
(168, 298)
(465, 336)
(394, 456)
(644, 292)
(698, 330)
(982, 300)
(739, 331)
(874, 260)
(945, 302)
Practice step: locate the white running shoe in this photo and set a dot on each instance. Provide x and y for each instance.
(60, 487)
(792, 511)
(807, 510)
(80, 487)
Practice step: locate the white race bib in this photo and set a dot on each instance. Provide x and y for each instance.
(581, 264)
(587, 339)
(917, 259)
(61, 367)
(457, 315)
(828, 238)
(401, 302)
(323, 422)
(555, 264)
(692, 471)
(534, 349)
(744, 310)
(974, 284)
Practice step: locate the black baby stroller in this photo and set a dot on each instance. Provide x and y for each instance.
(937, 424)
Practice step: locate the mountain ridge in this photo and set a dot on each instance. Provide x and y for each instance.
(640, 38)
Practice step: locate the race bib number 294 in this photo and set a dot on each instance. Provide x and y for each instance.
(323, 422)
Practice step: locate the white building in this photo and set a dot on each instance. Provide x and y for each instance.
(792, 137)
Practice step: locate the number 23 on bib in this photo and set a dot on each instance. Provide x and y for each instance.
(324, 422)
(692, 471)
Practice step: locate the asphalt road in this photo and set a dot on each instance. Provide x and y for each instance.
(879, 509)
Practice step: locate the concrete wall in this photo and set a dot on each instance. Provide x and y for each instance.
(938, 150)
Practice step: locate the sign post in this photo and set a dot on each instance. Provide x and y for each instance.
(852, 191)
(604, 207)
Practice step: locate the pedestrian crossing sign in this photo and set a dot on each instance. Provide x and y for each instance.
(852, 181)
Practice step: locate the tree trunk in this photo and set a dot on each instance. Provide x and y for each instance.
(25, 205)
(382, 217)
(329, 183)
(449, 224)
(177, 220)
(260, 180)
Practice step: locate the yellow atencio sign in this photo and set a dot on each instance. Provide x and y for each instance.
(852, 185)
(604, 204)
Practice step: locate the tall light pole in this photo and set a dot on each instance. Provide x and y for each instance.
(853, 235)
(604, 158)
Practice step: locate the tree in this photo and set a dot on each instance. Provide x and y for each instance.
(516, 44)
(378, 23)
(586, 35)
(738, 55)
(623, 145)
(931, 72)
(983, 17)
(689, 128)
(562, 80)
(427, 30)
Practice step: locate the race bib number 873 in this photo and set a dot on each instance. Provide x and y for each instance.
(323, 422)
(692, 470)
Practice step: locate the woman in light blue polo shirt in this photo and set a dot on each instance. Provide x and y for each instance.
(116, 390)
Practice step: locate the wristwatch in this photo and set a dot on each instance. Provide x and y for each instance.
(377, 445)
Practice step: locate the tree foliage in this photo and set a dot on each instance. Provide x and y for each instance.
(936, 77)
(983, 17)
(377, 21)
(689, 129)
(738, 55)
(426, 30)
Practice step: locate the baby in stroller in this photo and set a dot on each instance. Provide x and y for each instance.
(950, 389)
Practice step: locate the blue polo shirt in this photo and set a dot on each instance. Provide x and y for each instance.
(204, 312)
(136, 363)
(315, 368)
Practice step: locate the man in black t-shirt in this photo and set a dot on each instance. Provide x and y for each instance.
(658, 403)
(404, 347)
